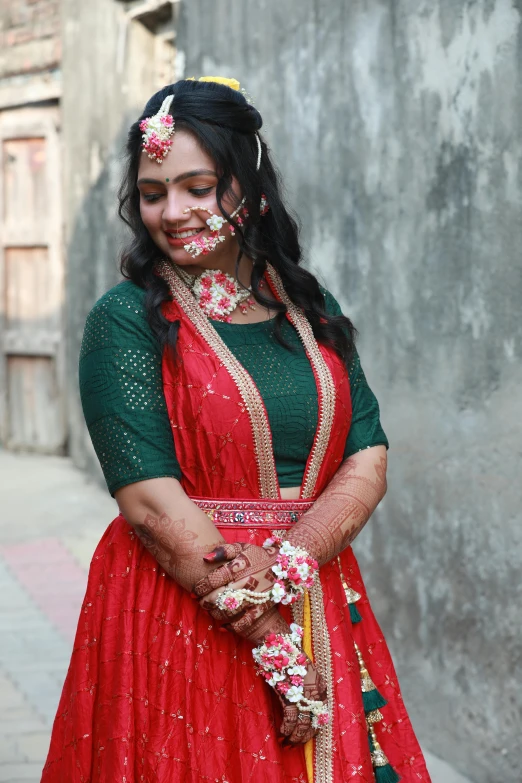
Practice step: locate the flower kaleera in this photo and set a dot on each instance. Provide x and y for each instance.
(283, 664)
(294, 570)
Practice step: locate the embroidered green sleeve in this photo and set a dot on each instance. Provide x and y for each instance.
(365, 429)
(122, 392)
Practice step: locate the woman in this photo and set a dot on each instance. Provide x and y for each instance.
(233, 422)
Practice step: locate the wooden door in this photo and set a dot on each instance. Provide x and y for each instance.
(32, 398)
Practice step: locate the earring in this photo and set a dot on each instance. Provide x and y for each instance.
(264, 206)
(242, 212)
(205, 245)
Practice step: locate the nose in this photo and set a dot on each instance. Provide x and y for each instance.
(173, 210)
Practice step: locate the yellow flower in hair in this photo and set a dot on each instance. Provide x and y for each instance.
(232, 83)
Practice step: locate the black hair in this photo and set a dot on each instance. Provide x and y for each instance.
(225, 124)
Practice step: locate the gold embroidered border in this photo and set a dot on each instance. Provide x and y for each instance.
(323, 761)
(267, 475)
(326, 386)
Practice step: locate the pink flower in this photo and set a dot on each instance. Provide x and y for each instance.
(295, 679)
(283, 687)
(271, 639)
(280, 661)
(231, 602)
(301, 659)
(323, 719)
(230, 287)
(205, 297)
(220, 278)
(224, 302)
(206, 282)
(293, 575)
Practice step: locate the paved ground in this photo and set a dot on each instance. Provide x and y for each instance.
(51, 519)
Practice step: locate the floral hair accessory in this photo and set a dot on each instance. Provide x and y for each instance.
(157, 132)
(294, 570)
(283, 664)
(232, 83)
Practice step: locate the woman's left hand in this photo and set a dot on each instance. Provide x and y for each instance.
(251, 568)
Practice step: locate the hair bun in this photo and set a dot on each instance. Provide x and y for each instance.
(257, 120)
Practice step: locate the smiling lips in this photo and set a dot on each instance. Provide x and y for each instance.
(179, 238)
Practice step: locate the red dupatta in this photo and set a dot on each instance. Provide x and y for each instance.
(219, 422)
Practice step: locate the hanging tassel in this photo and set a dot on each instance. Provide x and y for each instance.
(372, 699)
(355, 617)
(374, 717)
(383, 770)
(352, 596)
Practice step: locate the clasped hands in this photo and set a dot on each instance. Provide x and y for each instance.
(246, 566)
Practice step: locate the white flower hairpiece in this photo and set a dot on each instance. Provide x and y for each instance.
(158, 131)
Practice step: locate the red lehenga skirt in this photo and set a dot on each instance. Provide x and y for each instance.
(156, 692)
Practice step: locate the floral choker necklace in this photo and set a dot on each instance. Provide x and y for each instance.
(217, 293)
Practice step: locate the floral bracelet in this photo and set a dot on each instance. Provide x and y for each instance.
(282, 663)
(294, 569)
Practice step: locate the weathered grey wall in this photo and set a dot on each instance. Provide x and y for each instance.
(108, 75)
(397, 127)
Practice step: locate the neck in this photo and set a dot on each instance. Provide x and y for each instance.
(244, 272)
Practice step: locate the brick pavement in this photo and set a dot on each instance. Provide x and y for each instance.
(51, 518)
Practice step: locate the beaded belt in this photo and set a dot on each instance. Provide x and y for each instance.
(253, 513)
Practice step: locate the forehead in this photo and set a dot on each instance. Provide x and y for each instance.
(184, 155)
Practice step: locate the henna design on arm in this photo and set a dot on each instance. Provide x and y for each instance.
(175, 546)
(342, 510)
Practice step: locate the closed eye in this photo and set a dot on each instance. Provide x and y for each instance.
(151, 196)
(200, 191)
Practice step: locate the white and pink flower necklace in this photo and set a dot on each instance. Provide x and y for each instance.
(217, 293)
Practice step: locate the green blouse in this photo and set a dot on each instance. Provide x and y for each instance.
(122, 392)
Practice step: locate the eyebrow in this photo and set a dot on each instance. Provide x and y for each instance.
(179, 178)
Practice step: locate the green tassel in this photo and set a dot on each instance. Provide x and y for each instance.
(372, 700)
(355, 616)
(386, 774)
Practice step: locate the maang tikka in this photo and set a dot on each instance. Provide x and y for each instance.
(158, 131)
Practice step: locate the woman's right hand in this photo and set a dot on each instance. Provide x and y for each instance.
(297, 727)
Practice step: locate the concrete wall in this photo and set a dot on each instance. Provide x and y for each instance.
(397, 127)
(29, 36)
(108, 74)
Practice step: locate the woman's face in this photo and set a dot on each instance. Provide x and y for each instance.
(186, 178)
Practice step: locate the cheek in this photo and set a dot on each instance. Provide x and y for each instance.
(151, 216)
